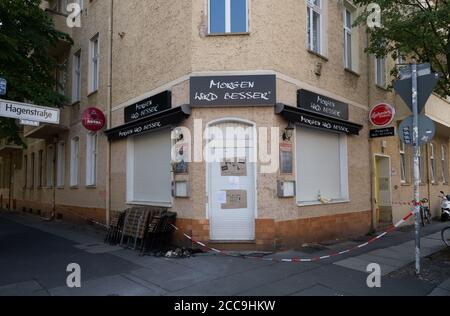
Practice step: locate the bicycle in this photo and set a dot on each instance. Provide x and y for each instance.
(445, 233)
(425, 214)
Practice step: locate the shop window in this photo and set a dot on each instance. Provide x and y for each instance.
(50, 164)
(94, 57)
(314, 18)
(433, 164)
(380, 71)
(60, 164)
(91, 159)
(321, 159)
(149, 176)
(444, 163)
(76, 77)
(228, 16)
(404, 176)
(74, 161)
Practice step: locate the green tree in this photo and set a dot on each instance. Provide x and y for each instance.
(26, 34)
(417, 29)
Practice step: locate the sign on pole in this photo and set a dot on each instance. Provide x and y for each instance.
(29, 112)
(2, 86)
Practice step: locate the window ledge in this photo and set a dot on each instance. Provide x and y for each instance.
(405, 184)
(91, 186)
(317, 54)
(350, 71)
(304, 204)
(60, 187)
(90, 94)
(381, 87)
(73, 187)
(75, 103)
(228, 34)
(161, 204)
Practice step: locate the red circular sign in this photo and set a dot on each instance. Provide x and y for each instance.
(382, 114)
(93, 119)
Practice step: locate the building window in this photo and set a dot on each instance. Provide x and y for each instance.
(61, 164)
(444, 162)
(91, 159)
(41, 169)
(348, 38)
(76, 77)
(314, 18)
(228, 16)
(404, 176)
(149, 185)
(62, 6)
(433, 164)
(74, 161)
(50, 166)
(321, 166)
(25, 171)
(33, 170)
(380, 71)
(94, 57)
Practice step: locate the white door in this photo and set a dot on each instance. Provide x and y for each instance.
(231, 189)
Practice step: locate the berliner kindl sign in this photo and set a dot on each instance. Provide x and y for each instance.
(29, 112)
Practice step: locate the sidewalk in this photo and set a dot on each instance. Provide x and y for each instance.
(35, 254)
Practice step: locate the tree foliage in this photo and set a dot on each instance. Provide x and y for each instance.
(26, 34)
(417, 29)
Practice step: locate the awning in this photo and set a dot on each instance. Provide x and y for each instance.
(314, 120)
(167, 118)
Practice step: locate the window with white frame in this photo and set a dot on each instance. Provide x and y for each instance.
(33, 170)
(348, 41)
(149, 185)
(41, 168)
(433, 164)
(91, 159)
(94, 59)
(228, 16)
(60, 164)
(74, 161)
(404, 175)
(444, 163)
(76, 77)
(322, 171)
(314, 18)
(380, 71)
(50, 165)
(25, 171)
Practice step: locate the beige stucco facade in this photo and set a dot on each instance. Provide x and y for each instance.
(149, 48)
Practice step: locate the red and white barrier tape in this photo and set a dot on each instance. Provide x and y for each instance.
(334, 254)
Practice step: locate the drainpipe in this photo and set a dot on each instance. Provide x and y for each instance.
(109, 114)
(371, 158)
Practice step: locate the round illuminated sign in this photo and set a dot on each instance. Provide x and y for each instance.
(93, 119)
(382, 114)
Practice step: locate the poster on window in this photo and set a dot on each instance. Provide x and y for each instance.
(235, 199)
(181, 158)
(234, 167)
(286, 157)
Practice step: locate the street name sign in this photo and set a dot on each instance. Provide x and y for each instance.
(29, 123)
(2, 86)
(29, 112)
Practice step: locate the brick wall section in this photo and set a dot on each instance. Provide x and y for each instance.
(271, 234)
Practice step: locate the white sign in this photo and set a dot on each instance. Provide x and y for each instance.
(29, 123)
(29, 112)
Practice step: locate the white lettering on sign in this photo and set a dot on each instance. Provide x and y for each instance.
(232, 85)
(29, 112)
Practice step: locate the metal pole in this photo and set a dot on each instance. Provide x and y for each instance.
(416, 163)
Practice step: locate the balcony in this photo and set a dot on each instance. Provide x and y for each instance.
(49, 131)
(59, 18)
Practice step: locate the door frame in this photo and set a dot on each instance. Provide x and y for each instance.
(255, 167)
(377, 220)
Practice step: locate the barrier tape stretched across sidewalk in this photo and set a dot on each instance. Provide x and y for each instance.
(318, 258)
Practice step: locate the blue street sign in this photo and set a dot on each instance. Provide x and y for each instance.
(2, 86)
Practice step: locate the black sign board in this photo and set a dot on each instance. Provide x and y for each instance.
(321, 104)
(167, 118)
(233, 90)
(382, 132)
(149, 106)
